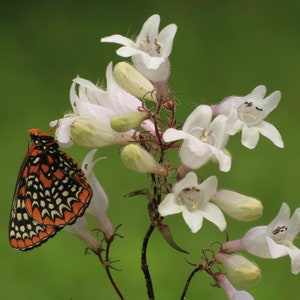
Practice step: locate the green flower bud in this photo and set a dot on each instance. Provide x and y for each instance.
(91, 133)
(240, 270)
(125, 122)
(238, 206)
(133, 81)
(137, 159)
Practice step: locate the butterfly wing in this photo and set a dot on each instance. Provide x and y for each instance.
(25, 232)
(58, 192)
(51, 192)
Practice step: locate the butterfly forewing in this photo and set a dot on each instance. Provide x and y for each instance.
(51, 192)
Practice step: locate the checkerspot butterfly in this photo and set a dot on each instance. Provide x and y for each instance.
(51, 192)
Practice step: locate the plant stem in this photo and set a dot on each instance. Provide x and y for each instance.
(187, 284)
(144, 264)
(106, 263)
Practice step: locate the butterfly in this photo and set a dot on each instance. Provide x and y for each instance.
(51, 192)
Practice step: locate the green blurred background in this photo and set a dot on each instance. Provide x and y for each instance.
(221, 48)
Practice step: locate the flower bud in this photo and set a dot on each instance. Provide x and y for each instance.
(125, 122)
(137, 159)
(238, 206)
(133, 81)
(90, 133)
(239, 269)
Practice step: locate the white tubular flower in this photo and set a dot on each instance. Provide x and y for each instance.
(192, 200)
(230, 291)
(93, 109)
(203, 139)
(79, 228)
(248, 113)
(151, 49)
(274, 240)
(99, 202)
(238, 206)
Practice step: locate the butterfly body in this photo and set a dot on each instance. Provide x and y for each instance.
(51, 192)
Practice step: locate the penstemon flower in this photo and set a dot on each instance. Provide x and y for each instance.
(274, 240)
(93, 108)
(203, 139)
(79, 228)
(192, 200)
(248, 113)
(97, 208)
(99, 202)
(151, 49)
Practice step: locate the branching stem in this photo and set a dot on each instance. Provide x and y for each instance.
(106, 264)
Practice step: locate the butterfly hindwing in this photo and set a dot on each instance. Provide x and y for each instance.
(51, 192)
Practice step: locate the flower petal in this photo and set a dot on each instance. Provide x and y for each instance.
(194, 154)
(294, 254)
(250, 136)
(209, 186)
(150, 28)
(190, 180)
(213, 214)
(294, 227)
(172, 134)
(223, 159)
(276, 250)
(200, 117)
(269, 103)
(128, 51)
(63, 131)
(255, 242)
(258, 93)
(169, 206)
(166, 37)
(119, 39)
(270, 132)
(193, 219)
(282, 217)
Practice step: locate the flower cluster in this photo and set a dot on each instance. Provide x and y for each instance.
(136, 111)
